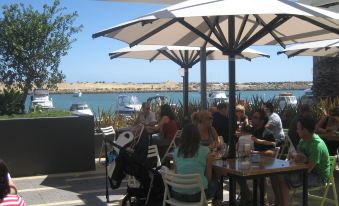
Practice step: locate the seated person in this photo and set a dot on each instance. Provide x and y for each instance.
(314, 152)
(264, 141)
(167, 128)
(329, 124)
(146, 117)
(274, 124)
(220, 121)
(191, 157)
(8, 192)
(242, 119)
(305, 110)
(208, 135)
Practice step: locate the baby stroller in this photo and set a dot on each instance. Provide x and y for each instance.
(132, 160)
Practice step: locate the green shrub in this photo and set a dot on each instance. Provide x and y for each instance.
(10, 102)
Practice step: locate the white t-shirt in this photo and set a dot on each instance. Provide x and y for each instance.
(277, 129)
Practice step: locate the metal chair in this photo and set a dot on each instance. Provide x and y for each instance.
(330, 183)
(184, 181)
(172, 145)
(106, 131)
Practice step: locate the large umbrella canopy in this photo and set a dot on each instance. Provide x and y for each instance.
(149, 1)
(285, 21)
(231, 26)
(328, 48)
(160, 52)
(185, 57)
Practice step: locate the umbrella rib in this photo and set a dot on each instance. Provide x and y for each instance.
(246, 58)
(328, 28)
(221, 38)
(107, 31)
(155, 56)
(116, 55)
(169, 56)
(199, 33)
(222, 34)
(182, 56)
(276, 22)
(261, 21)
(296, 53)
(153, 32)
(174, 55)
(198, 59)
(242, 27)
(249, 33)
(191, 55)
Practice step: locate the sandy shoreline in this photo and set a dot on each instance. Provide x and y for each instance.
(172, 86)
(169, 86)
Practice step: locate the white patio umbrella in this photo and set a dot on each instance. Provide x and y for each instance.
(185, 57)
(168, 2)
(328, 48)
(231, 26)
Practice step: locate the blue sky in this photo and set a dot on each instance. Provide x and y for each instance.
(88, 59)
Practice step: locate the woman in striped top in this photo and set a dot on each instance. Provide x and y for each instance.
(6, 198)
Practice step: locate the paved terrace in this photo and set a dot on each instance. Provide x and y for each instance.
(83, 188)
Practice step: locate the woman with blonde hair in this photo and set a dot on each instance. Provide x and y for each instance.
(208, 134)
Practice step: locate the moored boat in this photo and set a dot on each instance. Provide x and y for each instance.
(40, 98)
(127, 105)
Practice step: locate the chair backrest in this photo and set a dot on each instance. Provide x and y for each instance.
(153, 152)
(106, 131)
(183, 181)
(137, 131)
(332, 166)
(172, 145)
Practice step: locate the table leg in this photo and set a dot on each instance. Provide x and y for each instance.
(232, 190)
(305, 188)
(255, 192)
(262, 190)
(242, 183)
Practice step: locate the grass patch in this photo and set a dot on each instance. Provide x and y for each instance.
(37, 114)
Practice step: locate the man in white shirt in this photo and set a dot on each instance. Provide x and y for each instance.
(274, 124)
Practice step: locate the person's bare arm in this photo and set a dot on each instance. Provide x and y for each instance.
(12, 187)
(263, 142)
(319, 125)
(215, 137)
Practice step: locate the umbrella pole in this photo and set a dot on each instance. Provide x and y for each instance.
(185, 97)
(203, 78)
(231, 90)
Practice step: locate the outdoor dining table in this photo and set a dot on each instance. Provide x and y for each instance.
(241, 169)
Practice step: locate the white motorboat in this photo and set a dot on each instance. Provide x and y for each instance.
(40, 98)
(286, 99)
(81, 109)
(127, 105)
(77, 93)
(216, 97)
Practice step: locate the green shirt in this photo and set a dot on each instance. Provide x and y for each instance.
(316, 152)
(195, 164)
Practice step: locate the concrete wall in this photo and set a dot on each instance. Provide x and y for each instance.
(47, 145)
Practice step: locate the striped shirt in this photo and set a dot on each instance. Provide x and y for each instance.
(12, 200)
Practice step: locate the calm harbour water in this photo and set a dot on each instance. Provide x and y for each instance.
(107, 100)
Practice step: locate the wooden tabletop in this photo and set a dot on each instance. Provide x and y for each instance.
(266, 167)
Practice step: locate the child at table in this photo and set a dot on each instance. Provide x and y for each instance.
(191, 157)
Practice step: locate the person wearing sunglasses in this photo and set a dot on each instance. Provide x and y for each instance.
(208, 134)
